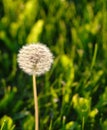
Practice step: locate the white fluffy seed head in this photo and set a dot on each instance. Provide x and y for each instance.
(35, 59)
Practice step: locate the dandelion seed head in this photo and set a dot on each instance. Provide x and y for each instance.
(35, 59)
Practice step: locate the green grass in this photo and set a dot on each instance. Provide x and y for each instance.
(73, 94)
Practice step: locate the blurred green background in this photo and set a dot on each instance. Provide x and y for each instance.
(73, 94)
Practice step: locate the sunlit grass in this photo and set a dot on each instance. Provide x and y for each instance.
(73, 95)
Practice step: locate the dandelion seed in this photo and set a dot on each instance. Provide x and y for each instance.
(35, 59)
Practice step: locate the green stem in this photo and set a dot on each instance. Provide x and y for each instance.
(94, 56)
(83, 122)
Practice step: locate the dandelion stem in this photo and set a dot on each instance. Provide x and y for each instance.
(83, 121)
(35, 103)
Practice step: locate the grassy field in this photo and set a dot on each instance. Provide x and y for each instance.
(73, 94)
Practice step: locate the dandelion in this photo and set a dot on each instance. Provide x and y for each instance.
(35, 59)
